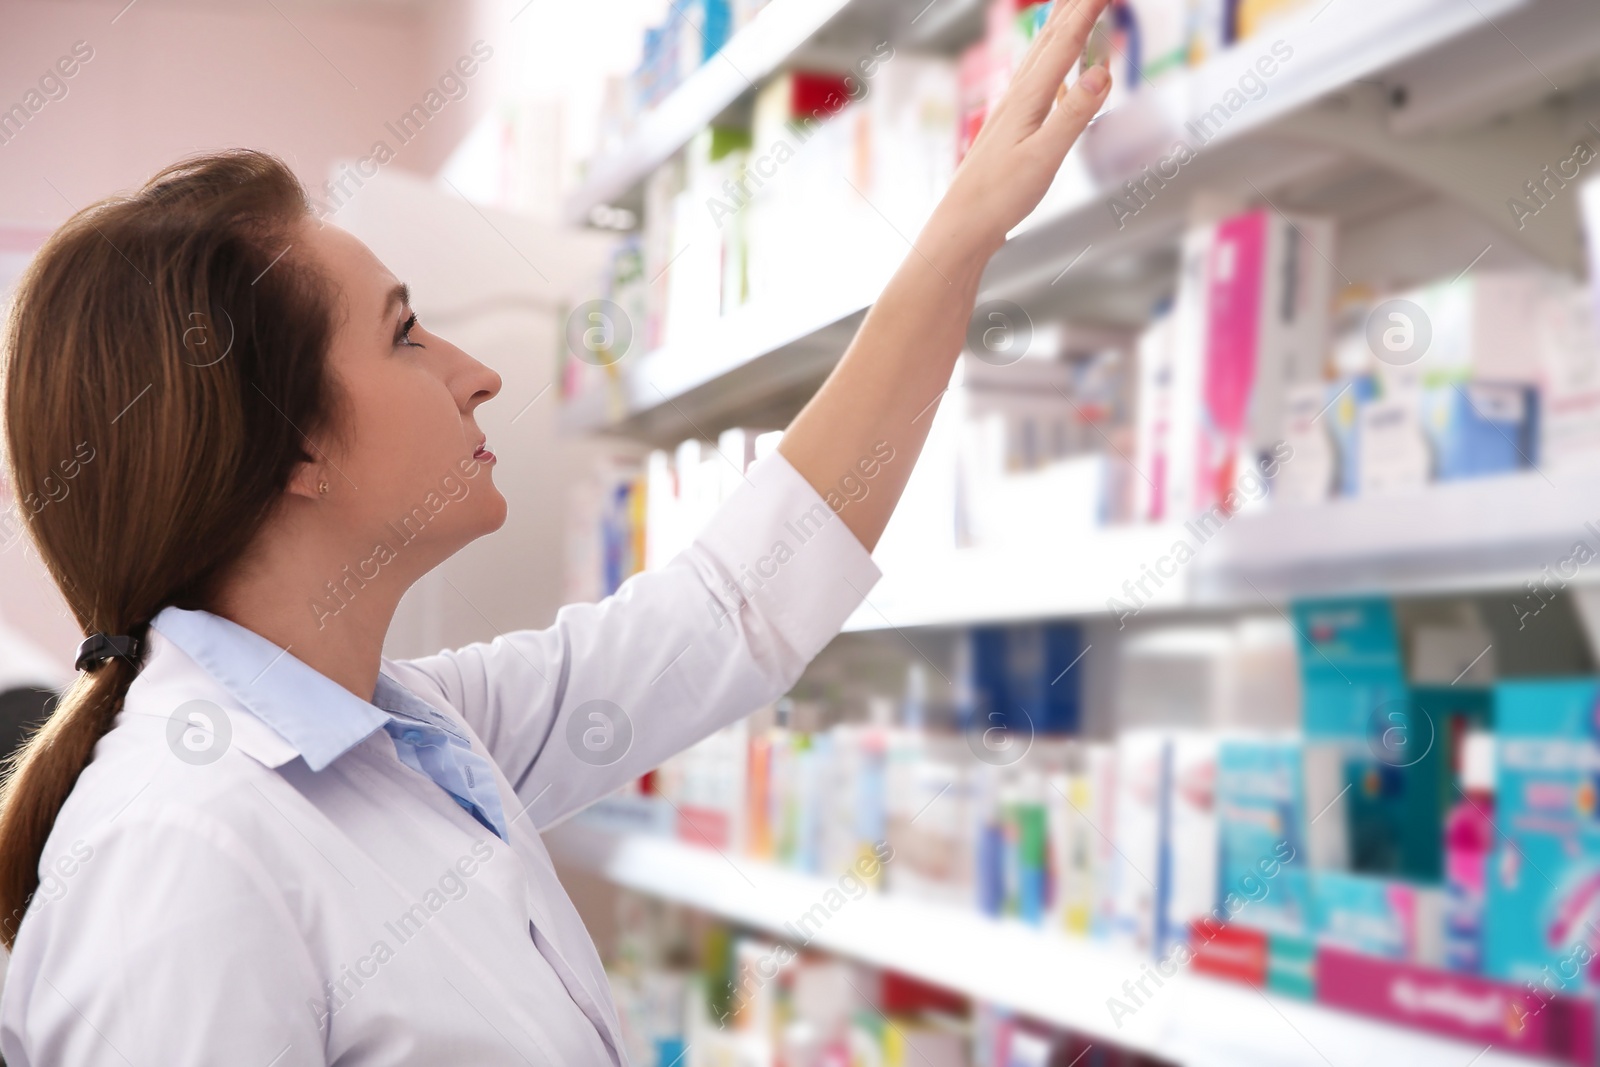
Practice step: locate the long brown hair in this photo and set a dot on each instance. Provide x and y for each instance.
(163, 360)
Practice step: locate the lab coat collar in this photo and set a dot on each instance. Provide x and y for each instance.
(319, 719)
(170, 681)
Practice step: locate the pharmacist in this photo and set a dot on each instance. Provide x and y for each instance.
(246, 838)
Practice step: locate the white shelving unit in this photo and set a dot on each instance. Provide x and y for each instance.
(1333, 104)
(1199, 1021)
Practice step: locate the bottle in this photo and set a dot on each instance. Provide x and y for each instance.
(1468, 844)
(914, 704)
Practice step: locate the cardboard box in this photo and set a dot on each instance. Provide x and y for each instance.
(1543, 922)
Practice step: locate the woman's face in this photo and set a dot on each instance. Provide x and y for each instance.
(409, 468)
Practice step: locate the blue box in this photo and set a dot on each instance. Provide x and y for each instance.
(1022, 681)
(1262, 866)
(1480, 428)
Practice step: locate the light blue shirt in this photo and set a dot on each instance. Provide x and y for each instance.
(323, 720)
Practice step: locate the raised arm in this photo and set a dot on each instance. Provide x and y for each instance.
(572, 712)
(886, 388)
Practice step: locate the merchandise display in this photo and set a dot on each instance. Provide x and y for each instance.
(1095, 427)
(1289, 859)
(696, 993)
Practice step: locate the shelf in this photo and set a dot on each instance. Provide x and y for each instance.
(749, 357)
(978, 585)
(1455, 537)
(751, 55)
(1465, 536)
(1057, 979)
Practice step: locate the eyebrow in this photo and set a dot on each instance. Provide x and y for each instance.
(399, 296)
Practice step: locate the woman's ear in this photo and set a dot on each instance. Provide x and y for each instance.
(310, 481)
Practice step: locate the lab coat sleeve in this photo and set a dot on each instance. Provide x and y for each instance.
(149, 963)
(611, 689)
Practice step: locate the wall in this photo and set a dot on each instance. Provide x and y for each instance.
(319, 83)
(311, 82)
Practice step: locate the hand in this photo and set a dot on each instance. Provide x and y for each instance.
(1023, 142)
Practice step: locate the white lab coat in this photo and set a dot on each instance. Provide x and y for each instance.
(219, 913)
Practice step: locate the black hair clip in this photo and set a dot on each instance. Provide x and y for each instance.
(97, 648)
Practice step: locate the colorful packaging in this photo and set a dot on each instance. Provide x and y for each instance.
(1569, 379)
(1254, 16)
(1481, 428)
(1253, 309)
(1191, 835)
(1351, 670)
(1154, 433)
(706, 785)
(1211, 28)
(1269, 296)
(932, 821)
(1292, 965)
(1469, 839)
(1262, 873)
(1343, 404)
(1377, 916)
(1308, 477)
(1022, 679)
(1396, 459)
(1073, 848)
(1143, 867)
(1161, 33)
(1026, 871)
(1544, 877)
(1394, 806)
(1100, 769)
(1235, 952)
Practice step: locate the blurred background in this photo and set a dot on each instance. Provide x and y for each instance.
(1230, 694)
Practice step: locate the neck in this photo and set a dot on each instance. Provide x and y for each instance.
(318, 602)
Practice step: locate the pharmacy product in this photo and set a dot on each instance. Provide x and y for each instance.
(1261, 867)
(1544, 875)
(1468, 845)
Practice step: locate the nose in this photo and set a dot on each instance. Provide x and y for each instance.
(481, 383)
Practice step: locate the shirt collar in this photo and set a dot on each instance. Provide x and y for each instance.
(321, 719)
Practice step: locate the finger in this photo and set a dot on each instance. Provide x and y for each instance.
(1074, 110)
(1055, 50)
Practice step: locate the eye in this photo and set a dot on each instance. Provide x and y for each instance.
(404, 336)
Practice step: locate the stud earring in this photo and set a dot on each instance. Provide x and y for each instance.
(322, 486)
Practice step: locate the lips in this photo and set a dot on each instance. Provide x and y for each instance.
(483, 455)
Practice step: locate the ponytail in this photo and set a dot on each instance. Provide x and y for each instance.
(44, 771)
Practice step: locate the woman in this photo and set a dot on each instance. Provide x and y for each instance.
(246, 838)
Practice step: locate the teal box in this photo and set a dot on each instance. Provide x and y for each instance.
(1351, 670)
(1355, 696)
(1292, 966)
(1260, 799)
(1394, 805)
(1543, 916)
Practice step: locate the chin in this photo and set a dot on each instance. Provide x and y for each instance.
(494, 511)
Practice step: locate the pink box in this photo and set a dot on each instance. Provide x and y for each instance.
(1512, 1018)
